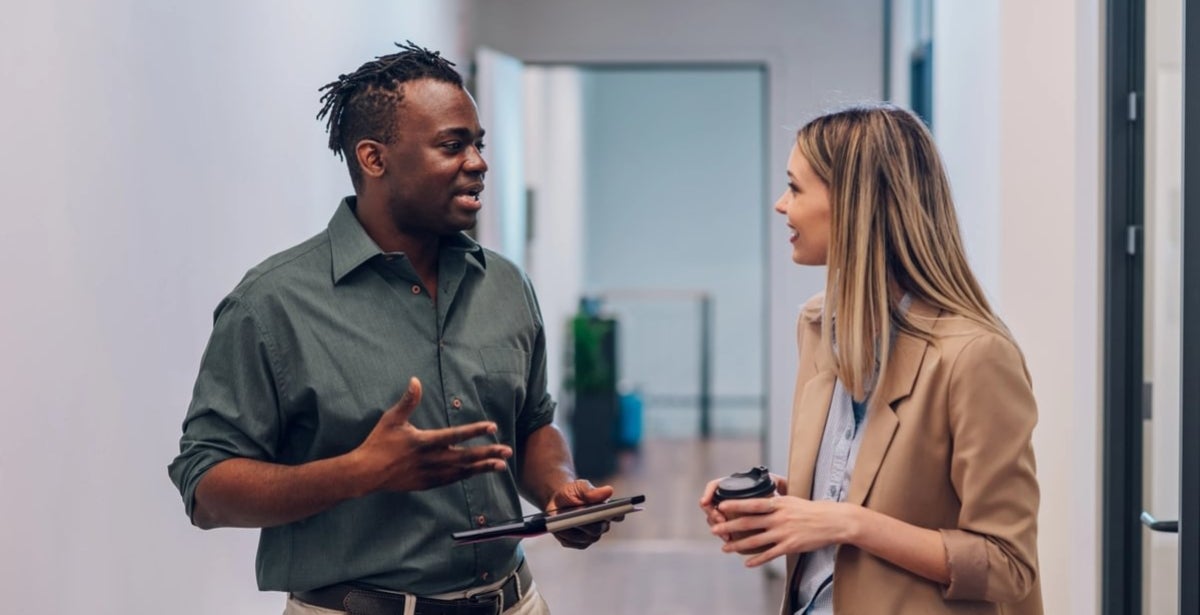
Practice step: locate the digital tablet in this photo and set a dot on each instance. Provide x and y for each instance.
(541, 523)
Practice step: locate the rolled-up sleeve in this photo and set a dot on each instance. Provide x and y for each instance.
(234, 408)
(539, 405)
(992, 554)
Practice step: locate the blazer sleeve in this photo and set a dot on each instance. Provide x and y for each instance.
(992, 555)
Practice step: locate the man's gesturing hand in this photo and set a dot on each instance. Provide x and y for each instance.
(400, 457)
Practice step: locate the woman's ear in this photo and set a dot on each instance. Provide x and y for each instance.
(372, 158)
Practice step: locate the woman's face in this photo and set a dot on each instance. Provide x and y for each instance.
(805, 202)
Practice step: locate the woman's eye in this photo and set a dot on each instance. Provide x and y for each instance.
(793, 188)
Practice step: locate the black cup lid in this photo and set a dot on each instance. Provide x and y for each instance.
(753, 483)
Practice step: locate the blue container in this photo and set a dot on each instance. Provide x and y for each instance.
(629, 421)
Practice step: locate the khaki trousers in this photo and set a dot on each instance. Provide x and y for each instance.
(531, 604)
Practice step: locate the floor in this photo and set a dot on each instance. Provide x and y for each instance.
(661, 560)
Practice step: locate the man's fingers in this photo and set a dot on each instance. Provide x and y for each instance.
(583, 536)
(403, 409)
(480, 467)
(471, 454)
(595, 495)
(453, 435)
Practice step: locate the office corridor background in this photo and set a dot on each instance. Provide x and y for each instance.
(661, 560)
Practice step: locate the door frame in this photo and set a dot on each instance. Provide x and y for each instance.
(1121, 545)
(1189, 432)
(1121, 530)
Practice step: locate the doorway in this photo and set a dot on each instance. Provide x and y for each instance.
(646, 203)
(1151, 517)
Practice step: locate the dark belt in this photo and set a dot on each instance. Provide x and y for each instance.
(358, 600)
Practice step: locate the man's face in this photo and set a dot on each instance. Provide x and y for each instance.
(435, 167)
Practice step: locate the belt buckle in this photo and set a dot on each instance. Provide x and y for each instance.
(494, 597)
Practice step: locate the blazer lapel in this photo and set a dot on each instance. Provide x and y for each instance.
(903, 367)
(808, 424)
(810, 410)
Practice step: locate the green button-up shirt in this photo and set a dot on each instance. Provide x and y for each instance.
(308, 352)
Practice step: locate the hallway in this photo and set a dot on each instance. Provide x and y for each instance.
(661, 560)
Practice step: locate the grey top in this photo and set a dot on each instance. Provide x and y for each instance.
(844, 428)
(314, 345)
(831, 481)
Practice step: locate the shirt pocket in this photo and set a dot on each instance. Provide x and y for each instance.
(502, 385)
(504, 360)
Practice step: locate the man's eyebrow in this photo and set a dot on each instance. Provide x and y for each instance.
(460, 132)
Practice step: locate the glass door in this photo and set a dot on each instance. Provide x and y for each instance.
(1151, 527)
(1162, 306)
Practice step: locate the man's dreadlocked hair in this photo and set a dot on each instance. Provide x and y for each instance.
(362, 105)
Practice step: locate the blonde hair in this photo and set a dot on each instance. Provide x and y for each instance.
(892, 228)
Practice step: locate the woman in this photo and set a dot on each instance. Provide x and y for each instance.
(911, 486)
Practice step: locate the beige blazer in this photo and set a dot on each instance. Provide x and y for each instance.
(946, 447)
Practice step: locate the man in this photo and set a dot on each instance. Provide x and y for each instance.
(294, 425)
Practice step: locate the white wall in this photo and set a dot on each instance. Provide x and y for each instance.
(1050, 273)
(1018, 118)
(153, 152)
(554, 171)
(500, 92)
(818, 53)
(966, 123)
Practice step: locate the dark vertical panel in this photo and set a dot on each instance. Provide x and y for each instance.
(887, 49)
(706, 342)
(1189, 446)
(1122, 497)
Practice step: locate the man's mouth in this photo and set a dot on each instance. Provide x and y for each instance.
(471, 192)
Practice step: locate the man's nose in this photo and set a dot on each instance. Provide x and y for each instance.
(475, 162)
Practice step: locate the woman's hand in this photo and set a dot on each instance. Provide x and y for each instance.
(714, 516)
(711, 514)
(784, 525)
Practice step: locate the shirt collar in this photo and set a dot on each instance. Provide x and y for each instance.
(350, 245)
(463, 243)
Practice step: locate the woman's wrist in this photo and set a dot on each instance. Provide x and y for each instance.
(852, 524)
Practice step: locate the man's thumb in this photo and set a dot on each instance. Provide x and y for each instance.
(408, 401)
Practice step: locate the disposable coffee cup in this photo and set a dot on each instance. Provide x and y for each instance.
(753, 483)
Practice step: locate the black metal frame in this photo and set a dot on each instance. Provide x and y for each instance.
(1123, 334)
(1121, 592)
(1189, 449)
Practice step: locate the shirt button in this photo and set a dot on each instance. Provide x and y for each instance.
(416, 289)
(457, 403)
(849, 434)
(481, 520)
(832, 491)
(485, 576)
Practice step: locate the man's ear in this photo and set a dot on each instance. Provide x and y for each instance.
(372, 158)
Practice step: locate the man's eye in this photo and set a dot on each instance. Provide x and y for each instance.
(453, 146)
(480, 146)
